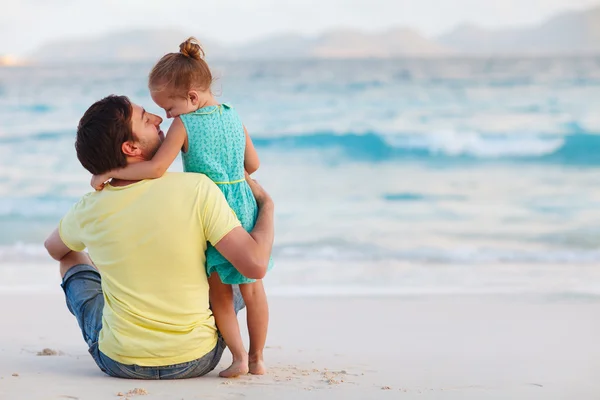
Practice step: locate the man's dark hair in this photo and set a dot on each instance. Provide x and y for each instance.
(101, 132)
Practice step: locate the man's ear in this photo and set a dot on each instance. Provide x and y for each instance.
(131, 149)
(194, 98)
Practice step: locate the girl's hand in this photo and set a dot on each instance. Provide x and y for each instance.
(98, 181)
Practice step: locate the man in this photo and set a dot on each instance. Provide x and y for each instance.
(142, 304)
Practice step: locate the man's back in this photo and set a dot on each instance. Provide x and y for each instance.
(148, 241)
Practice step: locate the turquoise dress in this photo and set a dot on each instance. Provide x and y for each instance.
(216, 146)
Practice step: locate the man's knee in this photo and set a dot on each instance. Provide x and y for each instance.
(82, 286)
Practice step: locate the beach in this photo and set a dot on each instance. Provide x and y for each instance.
(436, 227)
(350, 347)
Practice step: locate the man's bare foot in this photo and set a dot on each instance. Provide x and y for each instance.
(257, 366)
(237, 368)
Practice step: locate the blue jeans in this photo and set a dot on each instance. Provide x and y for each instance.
(83, 292)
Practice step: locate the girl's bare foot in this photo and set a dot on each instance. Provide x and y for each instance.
(238, 367)
(257, 366)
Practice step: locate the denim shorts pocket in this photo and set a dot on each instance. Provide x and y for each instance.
(179, 372)
(119, 370)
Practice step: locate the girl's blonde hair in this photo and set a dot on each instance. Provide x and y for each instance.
(183, 71)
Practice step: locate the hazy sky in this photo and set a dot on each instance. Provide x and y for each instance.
(25, 24)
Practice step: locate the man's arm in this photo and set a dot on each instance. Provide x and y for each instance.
(55, 246)
(65, 238)
(60, 252)
(249, 253)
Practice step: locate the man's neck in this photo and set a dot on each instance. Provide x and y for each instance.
(121, 182)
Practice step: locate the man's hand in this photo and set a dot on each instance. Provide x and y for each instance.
(261, 196)
(99, 181)
(249, 252)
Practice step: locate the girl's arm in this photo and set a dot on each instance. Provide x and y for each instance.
(251, 160)
(151, 169)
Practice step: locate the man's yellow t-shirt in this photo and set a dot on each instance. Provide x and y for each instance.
(148, 241)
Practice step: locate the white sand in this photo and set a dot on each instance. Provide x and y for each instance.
(347, 348)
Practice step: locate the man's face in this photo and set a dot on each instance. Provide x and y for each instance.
(146, 131)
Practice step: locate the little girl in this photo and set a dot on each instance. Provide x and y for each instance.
(214, 142)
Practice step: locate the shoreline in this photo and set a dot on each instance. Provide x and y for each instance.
(568, 281)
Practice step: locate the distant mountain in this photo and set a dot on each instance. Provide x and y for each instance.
(141, 45)
(398, 42)
(342, 43)
(567, 33)
(277, 47)
(138, 45)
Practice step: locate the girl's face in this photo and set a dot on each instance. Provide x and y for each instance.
(176, 105)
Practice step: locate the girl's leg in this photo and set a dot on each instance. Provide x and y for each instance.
(221, 301)
(257, 310)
